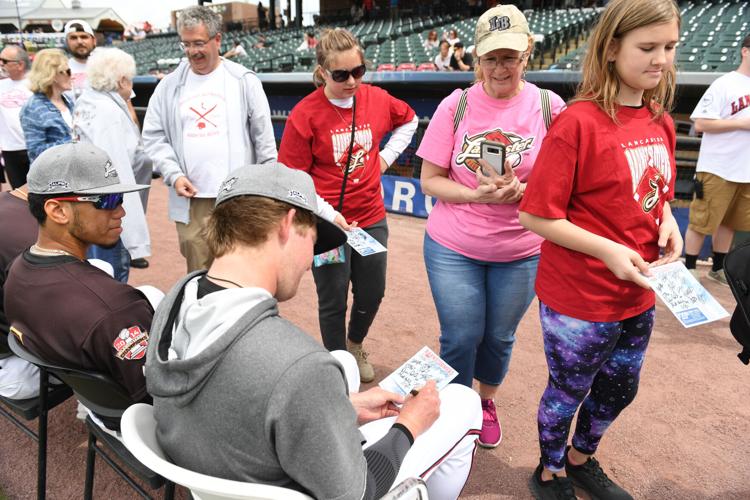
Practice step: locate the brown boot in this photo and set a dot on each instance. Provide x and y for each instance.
(366, 372)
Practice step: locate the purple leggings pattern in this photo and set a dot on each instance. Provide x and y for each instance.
(594, 365)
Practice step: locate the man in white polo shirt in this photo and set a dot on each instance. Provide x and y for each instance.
(204, 120)
(721, 204)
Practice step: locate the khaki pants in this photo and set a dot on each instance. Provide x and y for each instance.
(192, 243)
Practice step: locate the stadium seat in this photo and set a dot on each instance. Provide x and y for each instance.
(102, 395)
(406, 67)
(428, 66)
(386, 67)
(32, 408)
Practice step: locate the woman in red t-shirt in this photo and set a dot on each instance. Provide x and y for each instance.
(318, 139)
(599, 195)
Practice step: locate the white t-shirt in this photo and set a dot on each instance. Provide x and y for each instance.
(78, 77)
(211, 129)
(725, 154)
(443, 64)
(13, 95)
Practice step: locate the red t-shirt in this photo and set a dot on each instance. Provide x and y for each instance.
(611, 180)
(316, 139)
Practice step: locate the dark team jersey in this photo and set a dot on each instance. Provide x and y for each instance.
(68, 312)
(19, 230)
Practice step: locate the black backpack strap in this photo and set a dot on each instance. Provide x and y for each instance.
(546, 107)
(460, 110)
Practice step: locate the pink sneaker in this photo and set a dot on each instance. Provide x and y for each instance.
(491, 434)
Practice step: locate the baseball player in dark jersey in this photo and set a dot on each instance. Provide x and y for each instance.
(60, 307)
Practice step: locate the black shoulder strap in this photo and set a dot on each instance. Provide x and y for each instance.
(460, 110)
(348, 156)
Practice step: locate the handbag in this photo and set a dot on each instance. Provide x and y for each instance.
(338, 254)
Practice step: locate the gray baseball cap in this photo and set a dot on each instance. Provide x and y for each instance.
(78, 168)
(279, 182)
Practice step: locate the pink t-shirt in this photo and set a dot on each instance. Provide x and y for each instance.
(483, 231)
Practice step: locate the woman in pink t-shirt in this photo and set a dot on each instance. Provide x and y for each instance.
(480, 262)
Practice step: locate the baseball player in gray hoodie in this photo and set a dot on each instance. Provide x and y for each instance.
(243, 394)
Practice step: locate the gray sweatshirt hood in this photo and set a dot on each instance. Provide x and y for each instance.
(190, 336)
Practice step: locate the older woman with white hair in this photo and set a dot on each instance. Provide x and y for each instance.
(102, 118)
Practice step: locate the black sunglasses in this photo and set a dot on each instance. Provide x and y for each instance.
(6, 61)
(342, 75)
(66, 71)
(100, 201)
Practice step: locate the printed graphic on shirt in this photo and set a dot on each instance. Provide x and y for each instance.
(205, 115)
(471, 149)
(740, 104)
(360, 152)
(15, 98)
(650, 170)
(131, 343)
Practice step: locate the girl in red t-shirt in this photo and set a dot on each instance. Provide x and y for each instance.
(599, 195)
(318, 139)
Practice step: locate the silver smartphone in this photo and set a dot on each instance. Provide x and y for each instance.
(494, 154)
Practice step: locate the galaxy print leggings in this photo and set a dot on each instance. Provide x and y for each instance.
(597, 364)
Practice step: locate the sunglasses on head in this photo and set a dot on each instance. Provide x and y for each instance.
(8, 61)
(342, 75)
(100, 201)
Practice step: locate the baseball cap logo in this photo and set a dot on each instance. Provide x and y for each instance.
(109, 170)
(228, 184)
(57, 185)
(294, 194)
(499, 23)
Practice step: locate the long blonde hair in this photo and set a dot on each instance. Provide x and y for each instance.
(600, 82)
(46, 65)
(331, 43)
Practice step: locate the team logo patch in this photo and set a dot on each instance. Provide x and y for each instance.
(651, 172)
(341, 139)
(296, 195)
(228, 184)
(55, 185)
(109, 170)
(131, 344)
(471, 149)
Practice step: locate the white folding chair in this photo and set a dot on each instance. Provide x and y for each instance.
(138, 429)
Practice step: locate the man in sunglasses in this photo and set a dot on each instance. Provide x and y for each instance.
(14, 92)
(206, 119)
(59, 306)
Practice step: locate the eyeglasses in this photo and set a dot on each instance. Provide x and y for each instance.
(199, 45)
(7, 61)
(342, 75)
(507, 62)
(65, 72)
(100, 201)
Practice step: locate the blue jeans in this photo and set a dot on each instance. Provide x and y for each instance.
(118, 256)
(479, 305)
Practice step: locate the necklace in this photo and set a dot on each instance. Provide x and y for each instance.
(20, 194)
(37, 250)
(225, 281)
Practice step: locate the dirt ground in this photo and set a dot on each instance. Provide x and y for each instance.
(684, 437)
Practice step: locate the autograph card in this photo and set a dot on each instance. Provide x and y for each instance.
(684, 295)
(362, 243)
(423, 366)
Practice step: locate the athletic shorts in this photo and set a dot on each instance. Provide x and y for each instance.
(724, 202)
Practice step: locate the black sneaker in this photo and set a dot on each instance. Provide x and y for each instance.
(591, 478)
(558, 488)
(140, 263)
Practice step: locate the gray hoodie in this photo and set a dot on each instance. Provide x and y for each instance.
(240, 393)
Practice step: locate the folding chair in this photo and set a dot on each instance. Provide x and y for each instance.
(29, 409)
(102, 395)
(139, 434)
